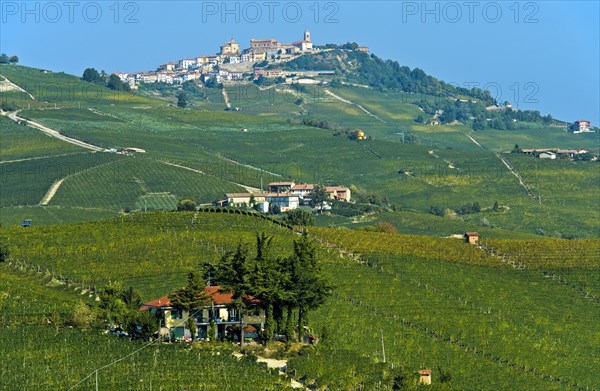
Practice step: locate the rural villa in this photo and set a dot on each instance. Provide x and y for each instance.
(286, 195)
(226, 321)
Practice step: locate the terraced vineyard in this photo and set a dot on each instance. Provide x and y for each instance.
(67, 358)
(473, 317)
(429, 302)
(151, 252)
(21, 142)
(128, 183)
(26, 182)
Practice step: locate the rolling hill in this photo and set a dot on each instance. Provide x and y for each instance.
(450, 165)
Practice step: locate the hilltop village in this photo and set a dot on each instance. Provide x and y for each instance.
(231, 63)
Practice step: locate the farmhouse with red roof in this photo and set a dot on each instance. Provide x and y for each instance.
(215, 313)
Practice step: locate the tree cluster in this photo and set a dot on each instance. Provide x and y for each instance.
(119, 308)
(300, 217)
(462, 210)
(5, 59)
(474, 112)
(186, 205)
(287, 288)
(113, 81)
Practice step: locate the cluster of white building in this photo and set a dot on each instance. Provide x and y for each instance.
(216, 66)
(285, 195)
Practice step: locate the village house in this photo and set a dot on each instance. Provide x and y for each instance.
(225, 74)
(267, 72)
(285, 201)
(553, 153)
(148, 78)
(302, 190)
(217, 311)
(280, 187)
(187, 63)
(165, 77)
(582, 126)
(339, 193)
(170, 66)
(243, 199)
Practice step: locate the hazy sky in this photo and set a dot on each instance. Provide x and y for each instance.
(540, 55)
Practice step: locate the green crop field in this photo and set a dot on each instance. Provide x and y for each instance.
(26, 182)
(158, 248)
(46, 356)
(518, 311)
(436, 303)
(50, 88)
(21, 142)
(125, 183)
(442, 168)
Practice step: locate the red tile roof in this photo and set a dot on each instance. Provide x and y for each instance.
(218, 298)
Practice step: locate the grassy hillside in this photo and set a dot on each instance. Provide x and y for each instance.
(33, 305)
(409, 167)
(50, 88)
(435, 303)
(21, 142)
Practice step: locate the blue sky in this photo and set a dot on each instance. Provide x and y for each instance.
(540, 55)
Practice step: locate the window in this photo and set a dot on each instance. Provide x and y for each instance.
(176, 314)
(200, 316)
(178, 333)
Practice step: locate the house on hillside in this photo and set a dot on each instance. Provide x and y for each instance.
(582, 126)
(339, 193)
(302, 190)
(216, 311)
(285, 201)
(471, 237)
(280, 187)
(243, 199)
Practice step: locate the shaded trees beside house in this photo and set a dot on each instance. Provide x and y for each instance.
(286, 288)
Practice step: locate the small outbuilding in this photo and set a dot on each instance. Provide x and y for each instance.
(471, 237)
(425, 376)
